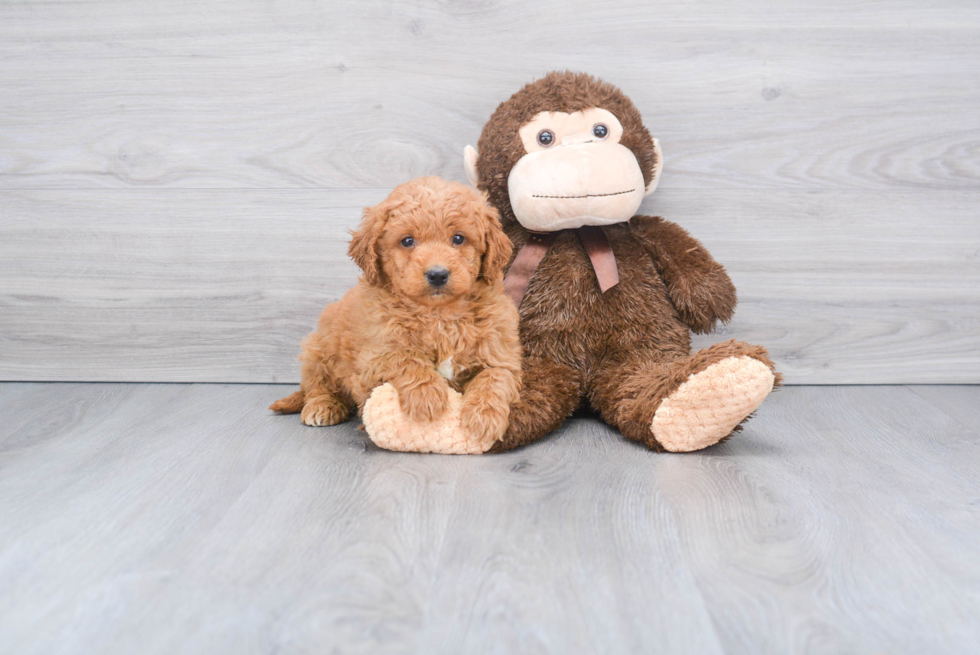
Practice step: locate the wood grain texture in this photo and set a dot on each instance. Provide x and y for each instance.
(960, 402)
(857, 491)
(876, 95)
(220, 286)
(186, 518)
(176, 179)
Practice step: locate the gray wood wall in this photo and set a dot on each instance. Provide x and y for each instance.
(177, 178)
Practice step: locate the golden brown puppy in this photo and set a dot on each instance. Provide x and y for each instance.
(428, 315)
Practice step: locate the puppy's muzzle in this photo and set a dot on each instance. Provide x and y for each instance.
(437, 276)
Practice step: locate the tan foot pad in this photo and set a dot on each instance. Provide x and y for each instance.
(707, 407)
(390, 429)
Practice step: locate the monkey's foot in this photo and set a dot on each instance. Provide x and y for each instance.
(711, 403)
(390, 429)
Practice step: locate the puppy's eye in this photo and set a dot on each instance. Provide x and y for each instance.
(546, 138)
(458, 239)
(600, 131)
(408, 242)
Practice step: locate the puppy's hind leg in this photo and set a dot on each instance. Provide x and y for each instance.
(325, 409)
(324, 400)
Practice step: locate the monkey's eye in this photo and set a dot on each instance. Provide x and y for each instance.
(600, 131)
(408, 242)
(458, 239)
(546, 138)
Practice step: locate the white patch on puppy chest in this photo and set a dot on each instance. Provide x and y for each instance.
(446, 369)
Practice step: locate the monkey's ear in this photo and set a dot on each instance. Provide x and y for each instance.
(658, 166)
(498, 248)
(469, 163)
(364, 242)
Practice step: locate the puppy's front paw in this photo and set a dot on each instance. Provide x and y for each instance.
(390, 428)
(485, 422)
(425, 402)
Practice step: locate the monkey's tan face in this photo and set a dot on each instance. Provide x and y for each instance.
(576, 172)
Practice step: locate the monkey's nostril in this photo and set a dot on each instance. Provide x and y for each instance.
(437, 276)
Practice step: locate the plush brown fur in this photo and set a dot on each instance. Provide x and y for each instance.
(395, 326)
(625, 350)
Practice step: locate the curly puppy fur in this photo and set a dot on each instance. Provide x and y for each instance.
(627, 350)
(397, 326)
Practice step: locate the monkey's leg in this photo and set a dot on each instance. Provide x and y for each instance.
(550, 392)
(687, 402)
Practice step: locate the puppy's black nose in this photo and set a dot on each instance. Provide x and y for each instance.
(437, 276)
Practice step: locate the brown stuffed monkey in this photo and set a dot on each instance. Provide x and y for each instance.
(608, 299)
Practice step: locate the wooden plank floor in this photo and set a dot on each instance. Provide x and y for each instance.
(186, 518)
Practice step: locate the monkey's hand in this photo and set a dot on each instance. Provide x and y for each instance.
(698, 286)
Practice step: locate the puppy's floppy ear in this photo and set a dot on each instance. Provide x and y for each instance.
(498, 247)
(364, 242)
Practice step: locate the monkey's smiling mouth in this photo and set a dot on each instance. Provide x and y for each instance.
(588, 195)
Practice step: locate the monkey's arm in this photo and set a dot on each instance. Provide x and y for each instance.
(698, 286)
